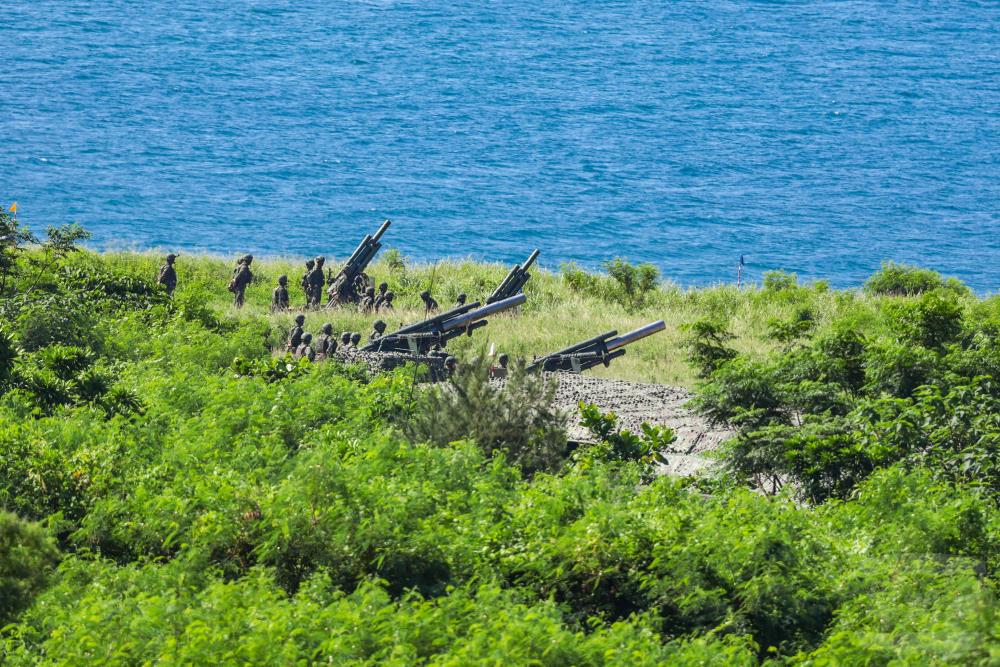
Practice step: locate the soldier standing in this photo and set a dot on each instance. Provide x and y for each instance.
(378, 330)
(368, 302)
(380, 297)
(326, 344)
(279, 298)
(168, 275)
(430, 305)
(317, 280)
(305, 348)
(295, 335)
(386, 305)
(305, 280)
(241, 278)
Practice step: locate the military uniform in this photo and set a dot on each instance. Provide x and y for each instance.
(430, 305)
(241, 278)
(279, 298)
(168, 275)
(317, 280)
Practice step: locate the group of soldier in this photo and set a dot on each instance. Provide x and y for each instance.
(312, 282)
(302, 344)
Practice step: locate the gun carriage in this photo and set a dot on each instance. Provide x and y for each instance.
(350, 285)
(515, 280)
(595, 351)
(422, 337)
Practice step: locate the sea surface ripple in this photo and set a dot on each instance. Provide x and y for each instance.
(819, 137)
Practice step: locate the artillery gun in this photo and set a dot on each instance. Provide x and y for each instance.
(422, 337)
(515, 280)
(595, 351)
(350, 285)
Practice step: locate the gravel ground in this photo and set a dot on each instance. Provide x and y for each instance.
(635, 403)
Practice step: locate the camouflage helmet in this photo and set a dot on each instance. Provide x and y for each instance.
(171, 257)
(379, 326)
(425, 295)
(247, 259)
(310, 263)
(300, 319)
(282, 280)
(307, 338)
(320, 259)
(503, 360)
(382, 287)
(389, 296)
(355, 338)
(327, 329)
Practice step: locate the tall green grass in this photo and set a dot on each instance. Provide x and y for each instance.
(555, 315)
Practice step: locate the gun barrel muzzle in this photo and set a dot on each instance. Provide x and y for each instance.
(381, 230)
(531, 260)
(638, 334)
(468, 318)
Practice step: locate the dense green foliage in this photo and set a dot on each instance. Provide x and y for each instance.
(212, 503)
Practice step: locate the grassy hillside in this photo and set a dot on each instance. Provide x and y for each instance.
(559, 311)
(170, 492)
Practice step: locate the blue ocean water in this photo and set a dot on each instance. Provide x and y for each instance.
(821, 137)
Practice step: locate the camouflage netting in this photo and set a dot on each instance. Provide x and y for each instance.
(386, 361)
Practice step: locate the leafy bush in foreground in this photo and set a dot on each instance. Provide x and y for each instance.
(905, 280)
(245, 511)
(26, 557)
(516, 418)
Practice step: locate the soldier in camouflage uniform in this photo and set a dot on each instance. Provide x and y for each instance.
(380, 297)
(378, 330)
(241, 278)
(326, 344)
(317, 280)
(386, 305)
(367, 304)
(500, 370)
(430, 305)
(279, 298)
(305, 279)
(295, 335)
(305, 348)
(168, 275)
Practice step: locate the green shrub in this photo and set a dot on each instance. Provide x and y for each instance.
(779, 281)
(56, 320)
(27, 556)
(905, 280)
(516, 417)
(614, 444)
(706, 345)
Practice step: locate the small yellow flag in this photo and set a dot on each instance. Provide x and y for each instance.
(13, 207)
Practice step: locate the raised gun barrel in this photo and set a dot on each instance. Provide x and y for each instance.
(351, 283)
(515, 280)
(594, 351)
(638, 334)
(421, 337)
